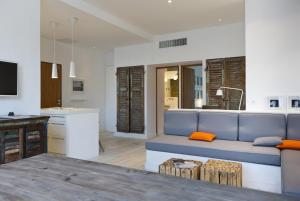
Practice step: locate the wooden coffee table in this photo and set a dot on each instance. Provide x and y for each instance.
(188, 169)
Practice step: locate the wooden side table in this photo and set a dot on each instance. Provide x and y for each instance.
(188, 169)
(222, 172)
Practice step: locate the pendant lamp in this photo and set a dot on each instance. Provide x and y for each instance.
(54, 74)
(72, 72)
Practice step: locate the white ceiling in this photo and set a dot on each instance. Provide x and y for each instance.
(89, 31)
(106, 24)
(159, 17)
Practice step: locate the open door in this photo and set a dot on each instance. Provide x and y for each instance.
(50, 88)
(188, 88)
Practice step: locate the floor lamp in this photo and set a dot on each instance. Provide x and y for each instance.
(220, 93)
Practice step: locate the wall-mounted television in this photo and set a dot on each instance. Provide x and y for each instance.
(8, 79)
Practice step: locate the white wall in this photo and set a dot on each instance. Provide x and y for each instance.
(20, 42)
(110, 100)
(90, 66)
(213, 42)
(208, 43)
(150, 102)
(110, 95)
(272, 50)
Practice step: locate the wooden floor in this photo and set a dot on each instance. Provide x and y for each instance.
(122, 152)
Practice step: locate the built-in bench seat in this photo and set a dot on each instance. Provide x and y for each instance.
(290, 159)
(290, 164)
(264, 168)
(221, 149)
(235, 134)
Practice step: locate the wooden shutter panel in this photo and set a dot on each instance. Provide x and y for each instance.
(130, 95)
(123, 95)
(137, 99)
(235, 77)
(215, 73)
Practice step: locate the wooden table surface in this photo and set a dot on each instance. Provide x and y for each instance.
(55, 178)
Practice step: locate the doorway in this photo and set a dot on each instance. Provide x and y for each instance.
(51, 92)
(167, 93)
(192, 86)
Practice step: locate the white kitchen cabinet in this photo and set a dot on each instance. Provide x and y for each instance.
(73, 132)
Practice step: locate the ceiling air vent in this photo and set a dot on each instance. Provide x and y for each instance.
(173, 43)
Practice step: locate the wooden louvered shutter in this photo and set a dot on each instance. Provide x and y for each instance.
(235, 77)
(137, 99)
(123, 98)
(215, 79)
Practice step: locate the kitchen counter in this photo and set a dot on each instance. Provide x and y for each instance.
(73, 132)
(68, 110)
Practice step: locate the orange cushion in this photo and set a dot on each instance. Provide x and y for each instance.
(289, 144)
(202, 136)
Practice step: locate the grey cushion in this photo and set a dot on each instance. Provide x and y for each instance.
(254, 125)
(223, 124)
(220, 149)
(293, 127)
(180, 122)
(267, 141)
(290, 163)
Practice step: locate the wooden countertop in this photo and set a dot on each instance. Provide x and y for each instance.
(6, 119)
(56, 178)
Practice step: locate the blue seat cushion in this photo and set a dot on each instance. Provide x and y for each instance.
(223, 124)
(220, 149)
(254, 125)
(181, 123)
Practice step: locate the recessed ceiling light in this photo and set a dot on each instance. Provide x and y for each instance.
(170, 1)
(220, 19)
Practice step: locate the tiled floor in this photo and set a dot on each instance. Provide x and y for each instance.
(123, 152)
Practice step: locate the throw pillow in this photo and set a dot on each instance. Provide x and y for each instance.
(202, 136)
(267, 141)
(289, 144)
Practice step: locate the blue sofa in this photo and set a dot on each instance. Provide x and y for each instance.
(235, 135)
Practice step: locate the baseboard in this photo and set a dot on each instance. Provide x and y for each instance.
(255, 176)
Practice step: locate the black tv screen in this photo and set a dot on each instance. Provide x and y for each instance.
(8, 79)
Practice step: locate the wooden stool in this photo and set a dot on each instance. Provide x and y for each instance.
(188, 169)
(222, 172)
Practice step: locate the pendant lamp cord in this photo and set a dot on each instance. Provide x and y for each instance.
(73, 40)
(54, 43)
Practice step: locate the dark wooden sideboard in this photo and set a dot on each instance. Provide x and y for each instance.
(22, 137)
